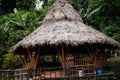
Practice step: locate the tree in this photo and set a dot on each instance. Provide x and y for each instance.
(102, 15)
(15, 26)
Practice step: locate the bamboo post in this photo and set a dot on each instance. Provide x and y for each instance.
(33, 59)
(95, 56)
(23, 60)
(90, 53)
(37, 55)
(104, 59)
(93, 53)
(63, 56)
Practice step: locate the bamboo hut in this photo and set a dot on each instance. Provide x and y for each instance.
(62, 33)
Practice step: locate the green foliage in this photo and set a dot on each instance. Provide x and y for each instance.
(11, 62)
(86, 8)
(21, 18)
(15, 26)
(113, 66)
(113, 31)
(103, 15)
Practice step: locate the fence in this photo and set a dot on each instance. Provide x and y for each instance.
(57, 73)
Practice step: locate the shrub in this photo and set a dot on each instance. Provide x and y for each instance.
(11, 62)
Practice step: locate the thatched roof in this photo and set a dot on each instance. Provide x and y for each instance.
(63, 25)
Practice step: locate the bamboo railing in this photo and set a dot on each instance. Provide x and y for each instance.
(41, 73)
(56, 73)
(83, 61)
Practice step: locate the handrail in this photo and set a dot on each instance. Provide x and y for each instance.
(42, 73)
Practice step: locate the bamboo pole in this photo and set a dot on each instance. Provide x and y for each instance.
(67, 53)
(63, 56)
(103, 61)
(60, 57)
(90, 52)
(23, 60)
(36, 59)
(29, 54)
(93, 51)
(33, 59)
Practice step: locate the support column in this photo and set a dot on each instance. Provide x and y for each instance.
(93, 51)
(98, 60)
(30, 61)
(63, 56)
(23, 60)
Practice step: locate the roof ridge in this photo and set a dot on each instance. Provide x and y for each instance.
(61, 10)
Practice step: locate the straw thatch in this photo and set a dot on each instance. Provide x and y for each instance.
(63, 25)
